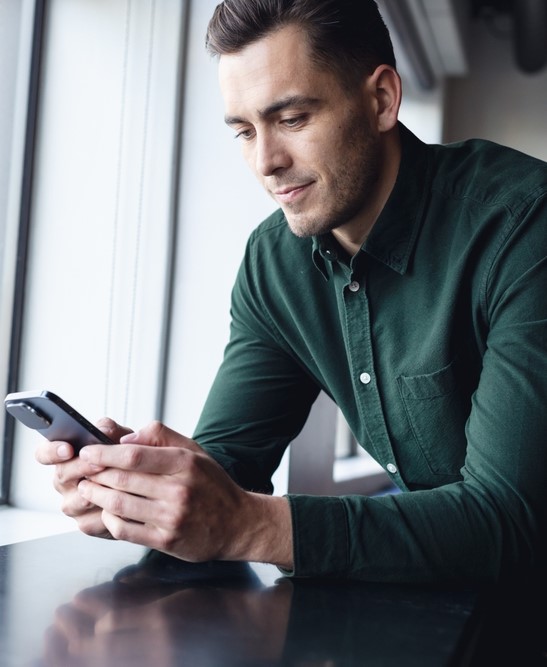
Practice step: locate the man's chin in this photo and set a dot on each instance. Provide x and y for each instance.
(303, 228)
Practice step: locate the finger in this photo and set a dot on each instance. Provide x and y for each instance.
(92, 524)
(137, 533)
(96, 601)
(74, 504)
(138, 458)
(112, 429)
(157, 434)
(55, 647)
(137, 483)
(146, 618)
(119, 503)
(156, 499)
(50, 453)
(75, 625)
(68, 474)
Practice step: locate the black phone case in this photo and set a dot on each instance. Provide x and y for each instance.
(55, 419)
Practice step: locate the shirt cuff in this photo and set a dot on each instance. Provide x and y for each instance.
(320, 536)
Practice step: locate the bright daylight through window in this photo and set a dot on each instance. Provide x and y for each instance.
(16, 31)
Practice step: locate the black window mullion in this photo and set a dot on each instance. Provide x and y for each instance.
(23, 236)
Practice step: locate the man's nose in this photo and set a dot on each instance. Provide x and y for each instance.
(271, 154)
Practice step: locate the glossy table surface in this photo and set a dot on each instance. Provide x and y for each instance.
(75, 600)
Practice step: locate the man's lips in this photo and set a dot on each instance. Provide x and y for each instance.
(290, 193)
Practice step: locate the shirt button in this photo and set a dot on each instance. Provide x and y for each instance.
(354, 286)
(365, 378)
(391, 468)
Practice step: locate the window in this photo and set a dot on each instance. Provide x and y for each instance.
(101, 222)
(19, 63)
(326, 459)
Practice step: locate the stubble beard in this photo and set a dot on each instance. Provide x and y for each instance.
(349, 192)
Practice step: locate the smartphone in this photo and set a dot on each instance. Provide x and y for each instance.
(55, 419)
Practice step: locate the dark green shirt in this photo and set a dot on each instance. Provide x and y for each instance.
(432, 340)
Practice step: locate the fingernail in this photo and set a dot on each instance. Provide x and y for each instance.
(84, 454)
(63, 452)
(130, 437)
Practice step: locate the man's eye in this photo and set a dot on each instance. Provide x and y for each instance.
(244, 134)
(295, 121)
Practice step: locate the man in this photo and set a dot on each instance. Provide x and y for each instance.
(407, 281)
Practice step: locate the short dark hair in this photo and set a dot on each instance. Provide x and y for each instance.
(347, 36)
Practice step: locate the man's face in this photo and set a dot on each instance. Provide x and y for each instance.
(313, 146)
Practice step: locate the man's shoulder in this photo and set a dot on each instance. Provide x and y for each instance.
(274, 225)
(275, 255)
(488, 173)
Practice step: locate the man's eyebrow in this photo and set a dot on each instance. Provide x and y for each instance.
(300, 101)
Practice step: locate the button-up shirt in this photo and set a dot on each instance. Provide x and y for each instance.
(432, 340)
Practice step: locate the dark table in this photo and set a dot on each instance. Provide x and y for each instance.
(79, 601)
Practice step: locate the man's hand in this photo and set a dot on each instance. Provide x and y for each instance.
(161, 490)
(69, 470)
(112, 624)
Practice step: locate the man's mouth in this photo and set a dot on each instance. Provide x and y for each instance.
(290, 193)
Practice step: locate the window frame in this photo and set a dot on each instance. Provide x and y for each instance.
(24, 221)
(313, 458)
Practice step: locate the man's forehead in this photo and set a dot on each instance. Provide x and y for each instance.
(257, 76)
(277, 57)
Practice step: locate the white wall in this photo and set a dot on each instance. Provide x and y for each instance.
(497, 101)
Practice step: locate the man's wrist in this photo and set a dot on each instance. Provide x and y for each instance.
(266, 531)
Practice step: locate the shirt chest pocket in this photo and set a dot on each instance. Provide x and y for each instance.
(437, 410)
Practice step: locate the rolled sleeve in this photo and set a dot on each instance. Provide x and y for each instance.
(320, 536)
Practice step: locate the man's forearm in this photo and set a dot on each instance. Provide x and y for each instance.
(266, 532)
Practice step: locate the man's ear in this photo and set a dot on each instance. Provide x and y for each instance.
(385, 89)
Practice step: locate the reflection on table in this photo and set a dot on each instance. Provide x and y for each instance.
(77, 601)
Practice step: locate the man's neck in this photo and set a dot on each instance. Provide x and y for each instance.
(352, 236)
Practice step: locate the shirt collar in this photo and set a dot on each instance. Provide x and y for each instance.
(323, 253)
(394, 234)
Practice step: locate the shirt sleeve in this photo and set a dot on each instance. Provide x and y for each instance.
(492, 523)
(489, 524)
(261, 396)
